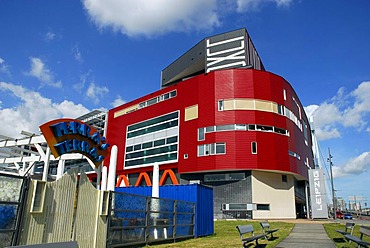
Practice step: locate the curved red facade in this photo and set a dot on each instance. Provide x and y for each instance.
(252, 98)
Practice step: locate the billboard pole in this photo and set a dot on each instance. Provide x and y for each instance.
(332, 184)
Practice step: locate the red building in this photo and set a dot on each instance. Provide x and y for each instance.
(242, 131)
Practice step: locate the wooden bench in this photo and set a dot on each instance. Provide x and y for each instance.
(267, 230)
(246, 233)
(364, 230)
(348, 229)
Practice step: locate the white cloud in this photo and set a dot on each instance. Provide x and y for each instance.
(117, 102)
(355, 116)
(33, 110)
(151, 18)
(325, 118)
(49, 36)
(156, 17)
(95, 92)
(354, 166)
(77, 54)
(327, 132)
(4, 68)
(83, 79)
(42, 73)
(253, 5)
(344, 110)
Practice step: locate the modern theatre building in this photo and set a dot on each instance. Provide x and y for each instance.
(222, 120)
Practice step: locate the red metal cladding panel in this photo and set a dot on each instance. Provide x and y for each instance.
(206, 103)
(245, 87)
(224, 86)
(262, 88)
(277, 88)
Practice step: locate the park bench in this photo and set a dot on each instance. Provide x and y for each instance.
(364, 230)
(246, 233)
(267, 230)
(348, 229)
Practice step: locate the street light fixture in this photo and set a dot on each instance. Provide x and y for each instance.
(332, 184)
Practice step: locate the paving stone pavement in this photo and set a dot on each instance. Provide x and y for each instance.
(307, 236)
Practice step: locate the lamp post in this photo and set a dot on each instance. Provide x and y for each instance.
(332, 184)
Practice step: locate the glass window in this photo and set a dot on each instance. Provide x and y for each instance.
(145, 153)
(220, 105)
(263, 206)
(220, 148)
(212, 148)
(164, 153)
(236, 176)
(142, 104)
(147, 145)
(294, 154)
(166, 96)
(171, 140)
(201, 133)
(235, 206)
(279, 130)
(254, 147)
(251, 127)
(129, 149)
(206, 149)
(225, 127)
(135, 155)
(201, 150)
(305, 133)
(152, 101)
(280, 109)
(152, 129)
(210, 129)
(240, 127)
(153, 121)
(284, 178)
(214, 177)
(160, 142)
(224, 177)
(173, 93)
(264, 128)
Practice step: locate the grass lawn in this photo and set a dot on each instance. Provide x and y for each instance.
(338, 238)
(226, 235)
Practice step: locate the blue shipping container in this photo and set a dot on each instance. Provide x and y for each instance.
(200, 194)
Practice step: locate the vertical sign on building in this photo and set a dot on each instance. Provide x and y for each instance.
(318, 194)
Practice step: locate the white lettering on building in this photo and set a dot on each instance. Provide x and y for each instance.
(215, 59)
(318, 197)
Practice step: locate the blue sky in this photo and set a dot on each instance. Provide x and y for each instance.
(65, 58)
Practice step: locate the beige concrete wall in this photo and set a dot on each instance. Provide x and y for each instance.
(268, 188)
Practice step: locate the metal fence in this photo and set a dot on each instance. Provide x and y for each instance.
(12, 198)
(140, 220)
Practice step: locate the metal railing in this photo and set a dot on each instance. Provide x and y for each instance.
(142, 220)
